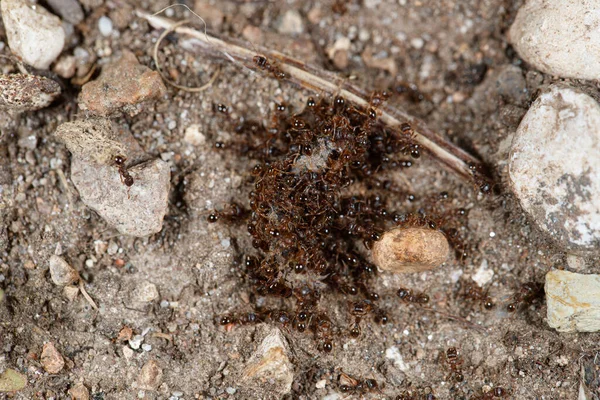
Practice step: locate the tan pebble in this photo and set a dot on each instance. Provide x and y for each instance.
(151, 376)
(51, 359)
(79, 392)
(410, 250)
(70, 292)
(61, 272)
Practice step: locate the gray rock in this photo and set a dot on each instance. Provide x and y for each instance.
(559, 37)
(69, 10)
(20, 92)
(554, 167)
(136, 210)
(269, 368)
(573, 301)
(35, 35)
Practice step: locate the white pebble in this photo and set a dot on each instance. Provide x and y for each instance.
(33, 33)
(146, 347)
(136, 342)
(559, 37)
(105, 26)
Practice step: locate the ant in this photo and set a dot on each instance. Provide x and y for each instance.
(232, 213)
(263, 63)
(476, 293)
(492, 394)
(528, 292)
(455, 362)
(126, 178)
(408, 296)
(348, 384)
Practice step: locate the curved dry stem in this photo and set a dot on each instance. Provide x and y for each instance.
(321, 81)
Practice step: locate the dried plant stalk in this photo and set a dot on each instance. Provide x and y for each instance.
(321, 81)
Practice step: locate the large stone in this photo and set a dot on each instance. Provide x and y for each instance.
(123, 86)
(136, 210)
(559, 37)
(573, 301)
(269, 368)
(34, 35)
(554, 167)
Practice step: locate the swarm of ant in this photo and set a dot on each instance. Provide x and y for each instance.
(318, 197)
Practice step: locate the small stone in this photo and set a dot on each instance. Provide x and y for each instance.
(194, 136)
(12, 381)
(70, 292)
(321, 384)
(269, 368)
(123, 86)
(339, 52)
(559, 38)
(69, 10)
(61, 272)
(105, 26)
(554, 167)
(150, 377)
(127, 352)
(34, 35)
(51, 359)
(573, 301)
(145, 292)
(65, 67)
(410, 250)
(136, 342)
(291, 23)
(79, 392)
(20, 92)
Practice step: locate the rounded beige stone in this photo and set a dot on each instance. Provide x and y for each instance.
(410, 250)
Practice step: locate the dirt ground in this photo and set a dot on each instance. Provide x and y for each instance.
(476, 89)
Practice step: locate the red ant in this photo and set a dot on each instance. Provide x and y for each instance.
(475, 293)
(454, 362)
(126, 178)
(348, 384)
(527, 294)
(264, 64)
(408, 296)
(492, 394)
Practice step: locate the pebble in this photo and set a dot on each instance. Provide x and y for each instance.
(145, 292)
(137, 210)
(105, 26)
(61, 272)
(554, 167)
(269, 368)
(194, 136)
(51, 359)
(559, 38)
(34, 35)
(12, 381)
(150, 377)
(70, 292)
(410, 250)
(136, 342)
(69, 10)
(123, 86)
(65, 67)
(291, 23)
(339, 52)
(20, 92)
(79, 392)
(573, 301)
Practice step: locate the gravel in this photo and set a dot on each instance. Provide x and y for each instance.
(555, 169)
(559, 37)
(34, 35)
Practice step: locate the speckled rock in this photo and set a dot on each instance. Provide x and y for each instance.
(573, 301)
(136, 210)
(410, 250)
(269, 368)
(559, 37)
(123, 86)
(34, 35)
(554, 167)
(51, 359)
(20, 92)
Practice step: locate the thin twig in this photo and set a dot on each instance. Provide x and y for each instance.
(321, 81)
(87, 296)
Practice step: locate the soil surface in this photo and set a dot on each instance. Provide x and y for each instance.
(475, 91)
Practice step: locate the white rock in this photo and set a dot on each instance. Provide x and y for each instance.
(573, 301)
(194, 136)
(555, 167)
(105, 26)
(291, 23)
(61, 272)
(559, 37)
(269, 368)
(35, 35)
